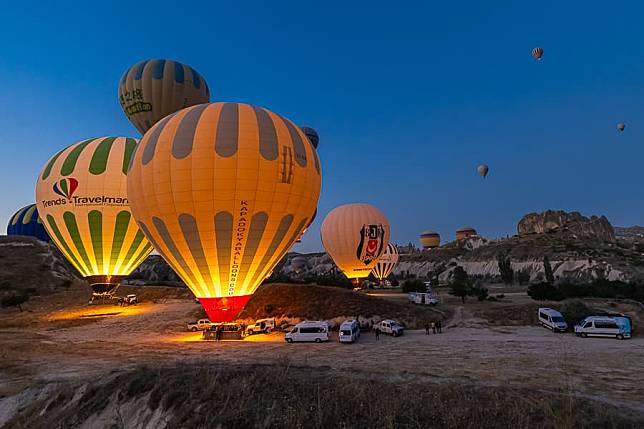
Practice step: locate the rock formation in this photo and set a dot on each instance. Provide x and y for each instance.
(595, 227)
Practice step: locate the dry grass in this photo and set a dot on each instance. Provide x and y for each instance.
(284, 396)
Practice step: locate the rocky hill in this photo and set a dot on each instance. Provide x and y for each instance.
(28, 265)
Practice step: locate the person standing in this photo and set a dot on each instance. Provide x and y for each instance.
(433, 327)
(377, 332)
(440, 326)
(426, 328)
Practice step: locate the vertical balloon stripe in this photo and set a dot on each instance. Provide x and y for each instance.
(158, 68)
(281, 231)
(120, 229)
(182, 144)
(61, 242)
(190, 232)
(98, 162)
(74, 233)
(26, 218)
(139, 258)
(133, 247)
(196, 78)
(130, 146)
(70, 162)
(256, 230)
(64, 188)
(95, 220)
(139, 71)
(298, 144)
(316, 159)
(47, 171)
(17, 216)
(169, 243)
(151, 144)
(227, 130)
(224, 239)
(178, 72)
(267, 135)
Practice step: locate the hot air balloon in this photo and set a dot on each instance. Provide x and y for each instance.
(299, 239)
(26, 222)
(483, 169)
(537, 53)
(430, 240)
(153, 89)
(222, 190)
(464, 232)
(386, 262)
(312, 135)
(297, 263)
(621, 126)
(355, 235)
(82, 200)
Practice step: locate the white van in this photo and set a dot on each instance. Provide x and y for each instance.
(601, 326)
(349, 331)
(552, 320)
(308, 331)
(423, 298)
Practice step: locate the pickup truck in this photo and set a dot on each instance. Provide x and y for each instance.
(200, 325)
(261, 326)
(390, 327)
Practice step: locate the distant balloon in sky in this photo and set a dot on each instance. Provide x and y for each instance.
(222, 190)
(297, 263)
(464, 232)
(82, 200)
(537, 53)
(312, 135)
(430, 240)
(153, 89)
(27, 222)
(483, 169)
(355, 235)
(621, 126)
(386, 262)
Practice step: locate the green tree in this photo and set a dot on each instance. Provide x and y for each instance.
(14, 301)
(414, 285)
(505, 269)
(547, 269)
(460, 285)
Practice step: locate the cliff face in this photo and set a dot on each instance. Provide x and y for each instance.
(598, 228)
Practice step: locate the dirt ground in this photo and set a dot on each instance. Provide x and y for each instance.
(61, 337)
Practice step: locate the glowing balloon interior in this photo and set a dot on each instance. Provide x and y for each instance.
(223, 190)
(82, 200)
(386, 262)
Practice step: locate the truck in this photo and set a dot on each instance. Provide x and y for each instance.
(261, 326)
(390, 327)
(423, 298)
(200, 325)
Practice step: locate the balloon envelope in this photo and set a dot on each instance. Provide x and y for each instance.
(483, 170)
(537, 53)
(223, 190)
(355, 235)
(430, 239)
(621, 126)
(153, 89)
(82, 200)
(464, 232)
(386, 262)
(312, 135)
(297, 263)
(27, 222)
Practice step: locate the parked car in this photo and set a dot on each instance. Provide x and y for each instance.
(130, 299)
(390, 327)
(308, 331)
(602, 326)
(349, 331)
(261, 326)
(200, 325)
(552, 320)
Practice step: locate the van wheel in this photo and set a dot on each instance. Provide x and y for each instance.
(620, 337)
(317, 340)
(288, 340)
(193, 329)
(584, 335)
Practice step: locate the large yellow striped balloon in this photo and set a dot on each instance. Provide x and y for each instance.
(355, 235)
(222, 190)
(153, 89)
(82, 200)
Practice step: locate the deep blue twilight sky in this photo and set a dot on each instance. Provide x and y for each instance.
(408, 97)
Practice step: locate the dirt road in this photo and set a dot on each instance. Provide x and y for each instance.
(86, 341)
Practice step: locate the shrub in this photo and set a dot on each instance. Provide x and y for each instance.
(505, 269)
(14, 301)
(414, 285)
(575, 311)
(544, 292)
(460, 285)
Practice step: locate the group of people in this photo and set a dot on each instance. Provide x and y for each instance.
(435, 326)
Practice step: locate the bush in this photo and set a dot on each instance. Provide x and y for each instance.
(460, 285)
(414, 285)
(505, 269)
(500, 296)
(575, 311)
(14, 301)
(545, 292)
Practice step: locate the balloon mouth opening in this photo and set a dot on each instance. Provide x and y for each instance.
(224, 309)
(104, 283)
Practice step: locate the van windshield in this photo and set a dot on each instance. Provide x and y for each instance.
(557, 319)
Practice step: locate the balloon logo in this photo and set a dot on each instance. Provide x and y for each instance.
(66, 187)
(223, 190)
